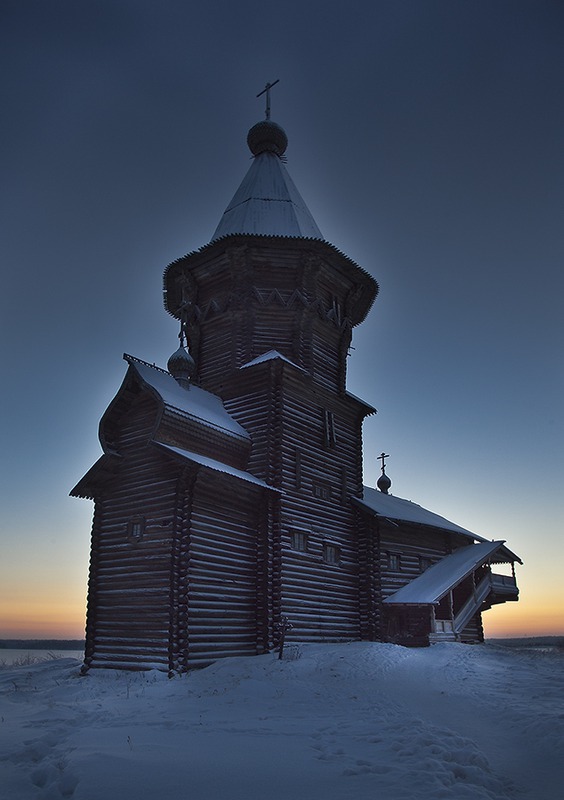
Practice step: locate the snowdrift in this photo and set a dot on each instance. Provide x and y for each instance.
(360, 720)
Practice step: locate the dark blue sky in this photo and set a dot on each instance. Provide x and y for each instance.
(425, 137)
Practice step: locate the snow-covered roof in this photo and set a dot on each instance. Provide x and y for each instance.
(193, 402)
(396, 508)
(211, 463)
(270, 356)
(267, 202)
(436, 581)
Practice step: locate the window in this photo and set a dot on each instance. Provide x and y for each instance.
(298, 541)
(329, 436)
(331, 554)
(335, 312)
(394, 562)
(424, 563)
(321, 491)
(136, 528)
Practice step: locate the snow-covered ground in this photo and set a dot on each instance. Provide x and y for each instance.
(360, 720)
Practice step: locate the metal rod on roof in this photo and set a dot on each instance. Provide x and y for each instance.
(267, 89)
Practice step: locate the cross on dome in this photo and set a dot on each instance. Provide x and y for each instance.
(266, 90)
(381, 458)
(383, 483)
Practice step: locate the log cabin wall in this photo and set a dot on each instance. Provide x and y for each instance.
(225, 569)
(242, 300)
(318, 467)
(370, 578)
(129, 593)
(406, 550)
(190, 434)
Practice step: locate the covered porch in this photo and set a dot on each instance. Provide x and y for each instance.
(451, 593)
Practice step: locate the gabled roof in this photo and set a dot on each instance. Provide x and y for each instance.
(267, 202)
(396, 508)
(193, 403)
(435, 582)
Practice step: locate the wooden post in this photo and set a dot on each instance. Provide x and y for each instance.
(282, 627)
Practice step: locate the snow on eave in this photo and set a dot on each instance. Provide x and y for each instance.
(433, 584)
(217, 466)
(371, 409)
(271, 355)
(394, 508)
(193, 403)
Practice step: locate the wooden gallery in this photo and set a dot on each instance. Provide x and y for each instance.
(228, 502)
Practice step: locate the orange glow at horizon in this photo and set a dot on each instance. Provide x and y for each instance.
(49, 620)
(65, 619)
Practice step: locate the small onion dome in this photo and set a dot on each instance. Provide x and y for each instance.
(267, 137)
(384, 483)
(181, 366)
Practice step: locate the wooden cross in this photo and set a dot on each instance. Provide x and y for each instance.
(381, 458)
(267, 89)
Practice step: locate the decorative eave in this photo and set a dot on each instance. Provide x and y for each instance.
(319, 247)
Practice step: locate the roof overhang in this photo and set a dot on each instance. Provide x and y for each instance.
(368, 286)
(214, 465)
(433, 584)
(397, 510)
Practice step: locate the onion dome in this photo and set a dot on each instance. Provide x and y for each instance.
(384, 483)
(267, 137)
(181, 366)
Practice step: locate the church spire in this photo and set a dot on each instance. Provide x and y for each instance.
(267, 202)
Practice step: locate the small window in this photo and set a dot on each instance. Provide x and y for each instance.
(321, 491)
(136, 528)
(298, 541)
(424, 563)
(336, 311)
(394, 562)
(331, 553)
(329, 435)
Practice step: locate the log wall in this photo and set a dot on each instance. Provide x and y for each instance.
(224, 570)
(286, 414)
(130, 578)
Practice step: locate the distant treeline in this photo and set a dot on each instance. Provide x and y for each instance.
(41, 644)
(531, 641)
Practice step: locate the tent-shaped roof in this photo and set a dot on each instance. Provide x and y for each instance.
(267, 201)
(435, 582)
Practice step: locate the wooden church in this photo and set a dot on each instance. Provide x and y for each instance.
(229, 502)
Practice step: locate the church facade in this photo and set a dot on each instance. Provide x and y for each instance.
(228, 503)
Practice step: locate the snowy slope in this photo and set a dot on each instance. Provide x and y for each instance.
(361, 720)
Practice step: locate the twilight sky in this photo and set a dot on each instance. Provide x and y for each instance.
(426, 138)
